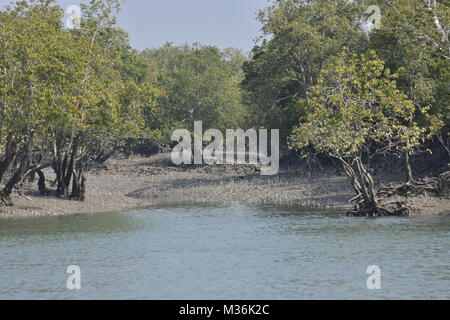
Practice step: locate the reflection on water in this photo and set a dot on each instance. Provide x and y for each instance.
(224, 253)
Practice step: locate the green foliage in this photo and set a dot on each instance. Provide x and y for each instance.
(299, 36)
(356, 107)
(28, 95)
(72, 92)
(315, 75)
(200, 83)
(410, 44)
(70, 80)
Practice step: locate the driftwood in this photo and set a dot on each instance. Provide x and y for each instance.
(435, 187)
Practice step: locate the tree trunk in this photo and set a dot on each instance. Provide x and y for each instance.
(17, 177)
(60, 167)
(407, 164)
(9, 157)
(71, 163)
(432, 5)
(41, 183)
(78, 186)
(37, 169)
(366, 200)
(371, 201)
(61, 189)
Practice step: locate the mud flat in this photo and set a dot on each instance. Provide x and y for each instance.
(136, 183)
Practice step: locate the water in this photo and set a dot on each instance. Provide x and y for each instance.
(224, 253)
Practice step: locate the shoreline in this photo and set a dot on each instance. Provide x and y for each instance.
(125, 185)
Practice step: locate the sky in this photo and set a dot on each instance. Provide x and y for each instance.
(151, 23)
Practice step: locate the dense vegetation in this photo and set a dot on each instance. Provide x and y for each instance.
(321, 73)
(64, 97)
(341, 87)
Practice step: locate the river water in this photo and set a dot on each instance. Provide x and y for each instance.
(224, 253)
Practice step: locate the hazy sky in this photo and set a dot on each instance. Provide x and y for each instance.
(151, 23)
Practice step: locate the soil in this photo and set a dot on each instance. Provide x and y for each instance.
(122, 185)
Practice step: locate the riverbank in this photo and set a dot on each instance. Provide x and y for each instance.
(128, 184)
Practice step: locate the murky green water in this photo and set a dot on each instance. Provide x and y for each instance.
(224, 253)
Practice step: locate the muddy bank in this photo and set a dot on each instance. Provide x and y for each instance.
(128, 184)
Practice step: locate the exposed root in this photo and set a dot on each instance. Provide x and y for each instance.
(393, 209)
(432, 187)
(436, 187)
(5, 201)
